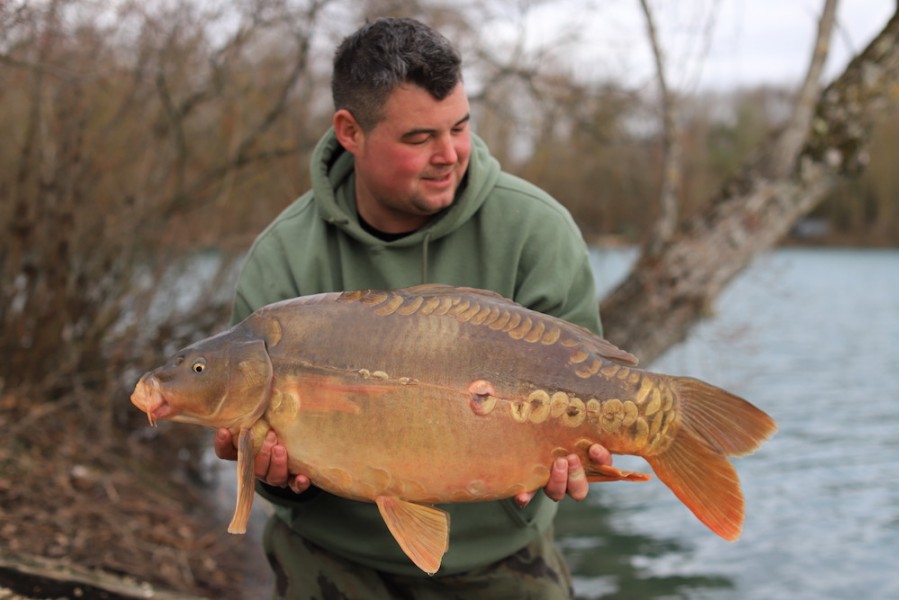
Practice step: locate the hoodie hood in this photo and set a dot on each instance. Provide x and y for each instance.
(333, 185)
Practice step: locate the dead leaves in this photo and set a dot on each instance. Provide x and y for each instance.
(107, 502)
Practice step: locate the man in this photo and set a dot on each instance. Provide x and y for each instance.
(402, 194)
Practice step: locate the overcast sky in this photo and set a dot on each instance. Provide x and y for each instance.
(743, 42)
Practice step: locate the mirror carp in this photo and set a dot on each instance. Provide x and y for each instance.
(436, 394)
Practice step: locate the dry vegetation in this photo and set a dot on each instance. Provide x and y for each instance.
(71, 494)
(129, 132)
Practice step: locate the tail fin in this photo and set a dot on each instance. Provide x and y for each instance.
(715, 424)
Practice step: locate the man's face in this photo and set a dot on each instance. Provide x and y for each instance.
(410, 164)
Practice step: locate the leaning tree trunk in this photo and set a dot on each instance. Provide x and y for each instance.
(666, 294)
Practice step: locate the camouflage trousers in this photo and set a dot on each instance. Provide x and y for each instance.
(304, 571)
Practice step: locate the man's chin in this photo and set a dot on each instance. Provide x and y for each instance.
(433, 204)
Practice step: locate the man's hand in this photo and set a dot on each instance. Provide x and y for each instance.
(568, 477)
(270, 463)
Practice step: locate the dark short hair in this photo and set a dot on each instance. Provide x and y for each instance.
(385, 53)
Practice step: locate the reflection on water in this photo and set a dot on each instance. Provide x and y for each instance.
(811, 337)
(602, 557)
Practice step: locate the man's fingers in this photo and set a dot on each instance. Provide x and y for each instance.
(558, 480)
(270, 463)
(524, 498)
(568, 476)
(224, 445)
(577, 479)
(299, 484)
(264, 456)
(277, 469)
(600, 455)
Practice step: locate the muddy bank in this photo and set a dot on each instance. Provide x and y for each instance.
(117, 498)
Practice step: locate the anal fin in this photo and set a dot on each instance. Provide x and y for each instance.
(602, 473)
(421, 531)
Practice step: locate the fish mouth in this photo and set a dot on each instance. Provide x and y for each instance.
(148, 397)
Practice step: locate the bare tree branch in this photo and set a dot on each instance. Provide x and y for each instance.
(662, 299)
(781, 158)
(669, 196)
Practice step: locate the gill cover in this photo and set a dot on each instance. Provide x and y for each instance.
(220, 382)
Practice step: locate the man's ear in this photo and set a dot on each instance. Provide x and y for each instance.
(348, 131)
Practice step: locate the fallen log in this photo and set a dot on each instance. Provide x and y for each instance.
(25, 576)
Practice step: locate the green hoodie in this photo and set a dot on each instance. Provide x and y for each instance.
(501, 234)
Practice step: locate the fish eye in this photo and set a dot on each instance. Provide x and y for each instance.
(199, 366)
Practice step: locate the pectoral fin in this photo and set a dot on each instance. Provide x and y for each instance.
(246, 480)
(601, 473)
(421, 531)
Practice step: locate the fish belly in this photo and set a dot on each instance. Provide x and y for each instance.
(417, 441)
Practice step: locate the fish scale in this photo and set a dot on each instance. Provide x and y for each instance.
(645, 432)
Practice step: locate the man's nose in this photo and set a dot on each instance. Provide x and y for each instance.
(445, 150)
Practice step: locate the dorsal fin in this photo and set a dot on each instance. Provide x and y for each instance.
(393, 300)
(587, 340)
(441, 289)
(605, 348)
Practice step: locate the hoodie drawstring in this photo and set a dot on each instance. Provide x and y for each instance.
(424, 257)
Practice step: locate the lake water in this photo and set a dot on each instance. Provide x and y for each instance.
(811, 337)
